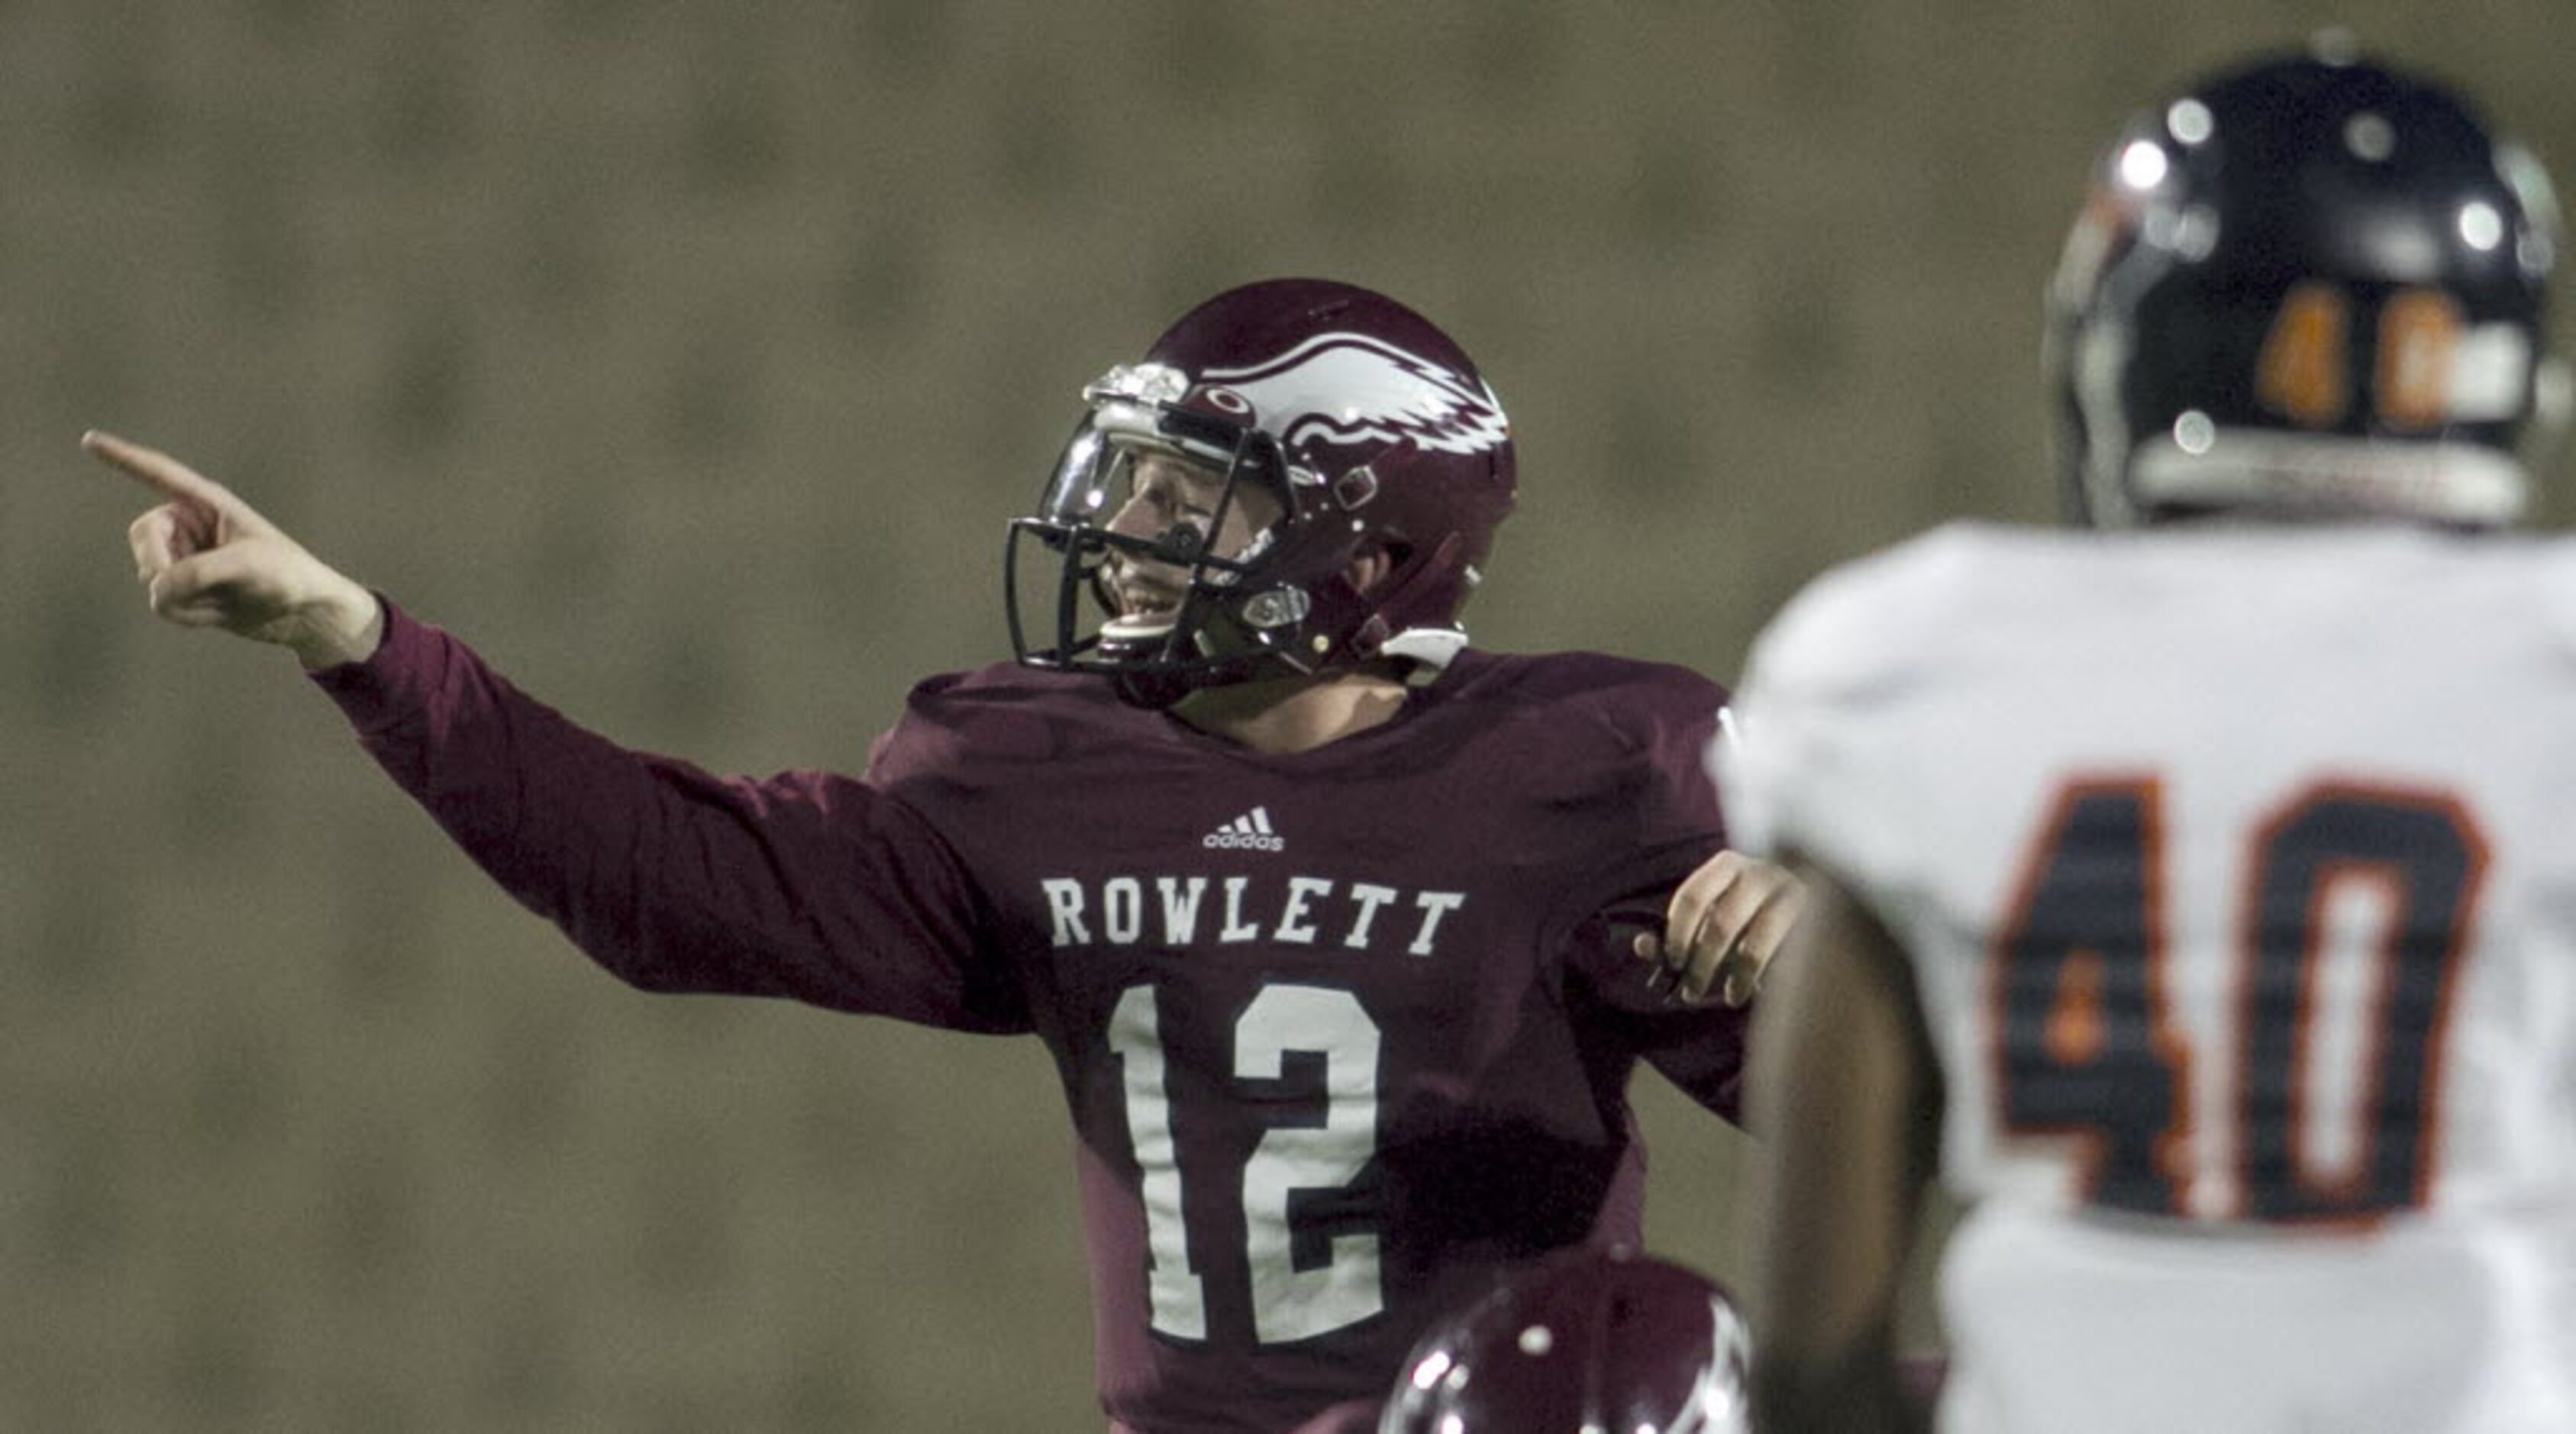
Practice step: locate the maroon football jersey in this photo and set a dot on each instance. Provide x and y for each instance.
(1344, 1034)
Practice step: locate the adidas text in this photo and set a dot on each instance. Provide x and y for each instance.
(1250, 832)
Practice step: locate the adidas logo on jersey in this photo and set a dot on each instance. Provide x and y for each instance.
(1249, 832)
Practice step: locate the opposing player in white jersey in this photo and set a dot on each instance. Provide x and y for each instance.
(2199, 899)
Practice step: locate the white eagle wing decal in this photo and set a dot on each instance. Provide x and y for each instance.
(1351, 389)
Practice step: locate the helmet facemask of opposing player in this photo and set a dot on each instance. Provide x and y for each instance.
(2308, 287)
(1300, 478)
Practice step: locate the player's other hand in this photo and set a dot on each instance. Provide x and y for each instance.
(208, 559)
(1722, 926)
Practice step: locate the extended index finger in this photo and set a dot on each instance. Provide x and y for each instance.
(162, 473)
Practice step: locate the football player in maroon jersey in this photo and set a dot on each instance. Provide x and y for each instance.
(1345, 936)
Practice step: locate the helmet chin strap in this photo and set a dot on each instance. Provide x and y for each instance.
(1201, 668)
(1375, 634)
(1154, 691)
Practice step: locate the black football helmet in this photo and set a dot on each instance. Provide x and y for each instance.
(2308, 286)
(1340, 423)
(1585, 1339)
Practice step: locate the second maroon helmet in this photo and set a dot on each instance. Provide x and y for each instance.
(1588, 1338)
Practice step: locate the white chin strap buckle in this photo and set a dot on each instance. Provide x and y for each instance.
(1429, 649)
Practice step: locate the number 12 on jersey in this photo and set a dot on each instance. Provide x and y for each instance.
(2080, 1007)
(1288, 1303)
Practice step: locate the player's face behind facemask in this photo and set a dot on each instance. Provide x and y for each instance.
(1178, 525)
(2307, 287)
(1384, 456)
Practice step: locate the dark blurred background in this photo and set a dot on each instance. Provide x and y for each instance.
(688, 358)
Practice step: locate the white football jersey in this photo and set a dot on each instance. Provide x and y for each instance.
(2238, 873)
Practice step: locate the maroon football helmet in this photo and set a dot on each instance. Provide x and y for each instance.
(1586, 1339)
(1344, 422)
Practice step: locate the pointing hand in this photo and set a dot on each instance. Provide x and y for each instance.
(208, 559)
